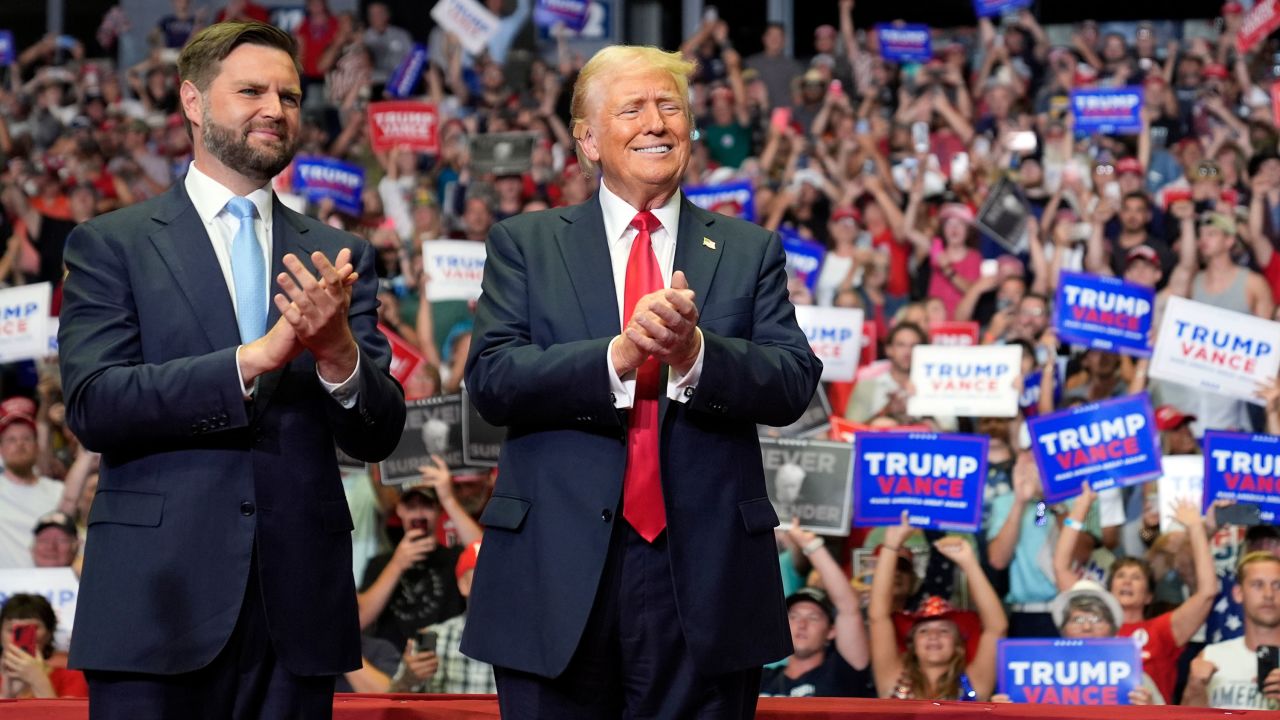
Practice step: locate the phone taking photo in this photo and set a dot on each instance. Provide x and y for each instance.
(1268, 662)
(920, 136)
(25, 637)
(426, 641)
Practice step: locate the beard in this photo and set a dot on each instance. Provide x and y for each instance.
(232, 148)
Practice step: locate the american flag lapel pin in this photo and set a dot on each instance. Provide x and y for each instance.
(709, 243)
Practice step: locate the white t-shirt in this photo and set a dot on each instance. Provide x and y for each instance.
(20, 507)
(1235, 686)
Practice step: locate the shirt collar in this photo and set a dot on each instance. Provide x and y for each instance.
(210, 196)
(618, 214)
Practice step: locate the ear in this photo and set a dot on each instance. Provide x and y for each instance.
(587, 141)
(192, 102)
(1237, 592)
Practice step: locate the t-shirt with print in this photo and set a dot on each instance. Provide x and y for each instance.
(426, 593)
(1160, 651)
(833, 678)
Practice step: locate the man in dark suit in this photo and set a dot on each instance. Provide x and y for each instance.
(217, 576)
(629, 565)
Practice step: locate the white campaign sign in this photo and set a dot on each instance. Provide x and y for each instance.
(455, 267)
(470, 21)
(59, 586)
(1209, 348)
(835, 334)
(975, 381)
(24, 322)
(1183, 479)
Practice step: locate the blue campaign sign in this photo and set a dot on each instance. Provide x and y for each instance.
(7, 53)
(904, 43)
(991, 8)
(1107, 110)
(733, 199)
(937, 479)
(1090, 671)
(1109, 444)
(1029, 398)
(317, 178)
(405, 76)
(1244, 468)
(804, 257)
(1104, 313)
(570, 13)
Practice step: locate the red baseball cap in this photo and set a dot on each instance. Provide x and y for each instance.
(1142, 252)
(1169, 417)
(467, 560)
(17, 409)
(1232, 8)
(846, 213)
(1215, 70)
(1128, 165)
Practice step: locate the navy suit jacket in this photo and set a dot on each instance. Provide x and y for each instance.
(537, 365)
(193, 475)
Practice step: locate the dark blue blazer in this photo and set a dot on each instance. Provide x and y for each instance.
(193, 476)
(537, 365)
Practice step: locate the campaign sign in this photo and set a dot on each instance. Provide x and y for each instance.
(992, 8)
(455, 267)
(481, 442)
(810, 481)
(1109, 444)
(405, 358)
(570, 13)
(954, 333)
(58, 585)
(1244, 468)
(965, 381)
(937, 479)
(508, 153)
(1004, 214)
(1218, 350)
(318, 178)
(432, 426)
(804, 257)
(814, 421)
(404, 123)
(1107, 110)
(470, 21)
(835, 334)
(7, 54)
(405, 77)
(904, 43)
(1088, 671)
(733, 199)
(1182, 479)
(1104, 313)
(24, 322)
(1029, 398)
(1257, 24)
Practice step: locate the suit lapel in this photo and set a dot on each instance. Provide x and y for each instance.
(286, 237)
(585, 251)
(185, 248)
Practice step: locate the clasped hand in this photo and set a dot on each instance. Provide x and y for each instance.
(664, 326)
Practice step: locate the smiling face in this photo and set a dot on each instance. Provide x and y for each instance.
(639, 136)
(934, 641)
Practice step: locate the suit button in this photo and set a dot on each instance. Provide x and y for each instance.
(613, 398)
(606, 515)
(688, 392)
(246, 508)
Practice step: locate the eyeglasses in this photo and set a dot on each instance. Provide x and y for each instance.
(1086, 619)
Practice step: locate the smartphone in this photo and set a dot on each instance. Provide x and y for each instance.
(65, 42)
(1111, 191)
(426, 641)
(989, 268)
(920, 136)
(869, 167)
(862, 127)
(1022, 141)
(1268, 661)
(836, 88)
(25, 637)
(781, 118)
(959, 166)
(419, 524)
(1238, 514)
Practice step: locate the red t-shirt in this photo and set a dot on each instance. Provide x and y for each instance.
(1160, 650)
(899, 282)
(1272, 273)
(316, 37)
(68, 683)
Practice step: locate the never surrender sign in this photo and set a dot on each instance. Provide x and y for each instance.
(404, 123)
(1104, 313)
(904, 43)
(1218, 350)
(810, 481)
(1107, 111)
(1109, 444)
(835, 334)
(1244, 468)
(937, 479)
(965, 381)
(1092, 671)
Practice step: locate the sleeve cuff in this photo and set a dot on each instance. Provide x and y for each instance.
(680, 388)
(345, 392)
(247, 391)
(621, 389)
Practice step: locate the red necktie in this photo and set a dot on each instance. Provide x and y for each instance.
(642, 485)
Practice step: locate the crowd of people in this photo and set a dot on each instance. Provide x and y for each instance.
(885, 165)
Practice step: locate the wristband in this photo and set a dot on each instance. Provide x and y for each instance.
(812, 547)
(1074, 524)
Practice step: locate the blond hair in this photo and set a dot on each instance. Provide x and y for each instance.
(1257, 556)
(609, 63)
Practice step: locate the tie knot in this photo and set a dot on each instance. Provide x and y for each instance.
(645, 222)
(240, 208)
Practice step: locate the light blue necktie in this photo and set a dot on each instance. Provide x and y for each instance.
(248, 269)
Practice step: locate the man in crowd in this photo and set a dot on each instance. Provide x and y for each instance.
(56, 542)
(24, 494)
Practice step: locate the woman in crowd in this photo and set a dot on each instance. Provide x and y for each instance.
(28, 675)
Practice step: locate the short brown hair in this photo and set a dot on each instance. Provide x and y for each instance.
(203, 54)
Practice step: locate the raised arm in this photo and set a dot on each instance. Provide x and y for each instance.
(886, 663)
(1188, 261)
(1026, 486)
(982, 669)
(1063, 576)
(1191, 614)
(851, 632)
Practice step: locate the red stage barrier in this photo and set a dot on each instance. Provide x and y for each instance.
(485, 707)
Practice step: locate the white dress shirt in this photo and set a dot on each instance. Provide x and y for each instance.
(617, 227)
(210, 199)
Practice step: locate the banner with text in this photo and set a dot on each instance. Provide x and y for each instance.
(570, 13)
(455, 267)
(24, 322)
(317, 178)
(405, 77)
(404, 123)
(835, 334)
(733, 199)
(804, 257)
(7, 52)
(904, 43)
(1245, 468)
(1032, 383)
(992, 8)
(59, 586)
(810, 480)
(1110, 111)
(1104, 313)
(937, 479)
(1181, 478)
(405, 358)
(470, 21)
(1109, 444)
(1218, 350)
(1092, 671)
(481, 442)
(1257, 24)
(955, 333)
(965, 381)
(432, 426)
